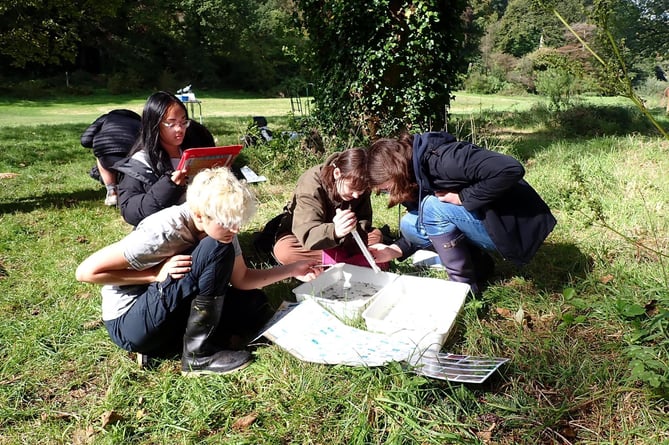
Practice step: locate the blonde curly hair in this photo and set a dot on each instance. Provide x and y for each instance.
(216, 194)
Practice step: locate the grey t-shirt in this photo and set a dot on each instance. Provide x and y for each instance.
(158, 237)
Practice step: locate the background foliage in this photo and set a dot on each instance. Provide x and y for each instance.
(373, 67)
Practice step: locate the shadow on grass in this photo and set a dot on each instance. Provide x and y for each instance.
(533, 131)
(51, 200)
(554, 267)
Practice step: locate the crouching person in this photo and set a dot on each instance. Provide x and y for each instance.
(165, 283)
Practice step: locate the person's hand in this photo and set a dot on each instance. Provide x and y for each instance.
(176, 267)
(179, 177)
(306, 270)
(450, 197)
(344, 222)
(383, 253)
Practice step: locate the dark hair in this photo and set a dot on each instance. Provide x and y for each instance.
(149, 136)
(390, 160)
(352, 164)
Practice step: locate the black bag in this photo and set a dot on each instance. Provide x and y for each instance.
(264, 240)
(258, 131)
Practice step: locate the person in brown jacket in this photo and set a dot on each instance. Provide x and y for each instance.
(329, 202)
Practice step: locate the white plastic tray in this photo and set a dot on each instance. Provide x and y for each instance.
(422, 310)
(345, 289)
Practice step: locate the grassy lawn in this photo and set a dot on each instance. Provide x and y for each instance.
(584, 325)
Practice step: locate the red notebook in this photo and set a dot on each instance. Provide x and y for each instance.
(196, 159)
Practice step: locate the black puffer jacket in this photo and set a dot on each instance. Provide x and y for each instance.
(513, 213)
(141, 192)
(113, 133)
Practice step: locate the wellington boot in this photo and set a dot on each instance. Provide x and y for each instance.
(456, 257)
(201, 353)
(484, 265)
(221, 362)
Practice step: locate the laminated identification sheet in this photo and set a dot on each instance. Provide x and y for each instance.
(312, 334)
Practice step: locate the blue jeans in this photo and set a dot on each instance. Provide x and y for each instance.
(156, 322)
(414, 232)
(439, 218)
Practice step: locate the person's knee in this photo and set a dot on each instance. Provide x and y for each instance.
(436, 213)
(212, 264)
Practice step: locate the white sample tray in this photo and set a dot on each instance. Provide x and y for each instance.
(421, 310)
(345, 289)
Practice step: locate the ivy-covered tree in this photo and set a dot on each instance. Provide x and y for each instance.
(381, 67)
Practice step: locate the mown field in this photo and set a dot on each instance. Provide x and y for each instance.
(584, 325)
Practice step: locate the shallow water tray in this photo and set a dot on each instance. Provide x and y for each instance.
(345, 289)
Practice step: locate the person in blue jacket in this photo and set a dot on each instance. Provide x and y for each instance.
(467, 201)
(111, 136)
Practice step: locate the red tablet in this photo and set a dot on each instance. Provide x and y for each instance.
(196, 159)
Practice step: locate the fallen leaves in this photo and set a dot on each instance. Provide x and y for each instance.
(244, 422)
(518, 316)
(83, 436)
(109, 418)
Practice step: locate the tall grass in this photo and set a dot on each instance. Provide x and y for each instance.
(569, 321)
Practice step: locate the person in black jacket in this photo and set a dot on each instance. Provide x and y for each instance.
(468, 201)
(111, 137)
(149, 181)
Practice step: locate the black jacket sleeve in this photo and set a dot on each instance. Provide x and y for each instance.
(141, 195)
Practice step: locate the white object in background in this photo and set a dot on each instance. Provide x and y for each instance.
(187, 98)
(365, 251)
(427, 258)
(251, 176)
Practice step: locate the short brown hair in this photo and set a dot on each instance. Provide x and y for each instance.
(391, 160)
(352, 164)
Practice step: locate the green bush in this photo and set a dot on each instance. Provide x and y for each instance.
(124, 82)
(556, 84)
(479, 83)
(32, 89)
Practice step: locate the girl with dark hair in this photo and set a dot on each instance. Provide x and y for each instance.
(330, 201)
(149, 181)
(463, 200)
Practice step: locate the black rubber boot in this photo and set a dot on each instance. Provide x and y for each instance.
(201, 355)
(453, 250)
(245, 313)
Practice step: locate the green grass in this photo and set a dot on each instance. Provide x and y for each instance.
(572, 322)
(85, 109)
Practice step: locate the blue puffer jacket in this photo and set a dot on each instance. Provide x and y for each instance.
(513, 213)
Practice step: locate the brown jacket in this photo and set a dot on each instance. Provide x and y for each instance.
(310, 212)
